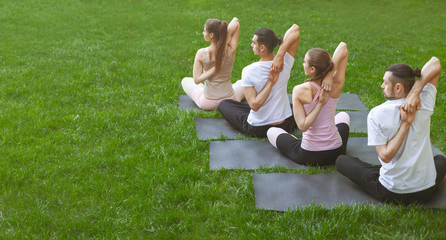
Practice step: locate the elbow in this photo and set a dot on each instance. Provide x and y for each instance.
(196, 81)
(302, 128)
(437, 65)
(255, 108)
(385, 158)
(296, 29)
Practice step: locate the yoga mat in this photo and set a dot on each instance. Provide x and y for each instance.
(358, 121)
(246, 154)
(213, 128)
(283, 191)
(346, 102)
(254, 154)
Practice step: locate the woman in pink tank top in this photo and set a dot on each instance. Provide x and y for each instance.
(211, 82)
(324, 135)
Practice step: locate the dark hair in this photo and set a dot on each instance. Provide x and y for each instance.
(321, 61)
(268, 38)
(404, 74)
(220, 31)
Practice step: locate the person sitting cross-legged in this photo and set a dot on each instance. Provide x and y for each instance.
(400, 131)
(265, 86)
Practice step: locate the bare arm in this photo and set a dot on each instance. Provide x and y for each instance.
(233, 35)
(255, 100)
(430, 73)
(198, 74)
(387, 151)
(289, 45)
(304, 121)
(335, 79)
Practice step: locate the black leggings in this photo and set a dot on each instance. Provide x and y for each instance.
(367, 176)
(290, 147)
(236, 113)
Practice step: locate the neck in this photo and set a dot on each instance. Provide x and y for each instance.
(267, 57)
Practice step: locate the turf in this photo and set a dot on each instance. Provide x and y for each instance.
(93, 144)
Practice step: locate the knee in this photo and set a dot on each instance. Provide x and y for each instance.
(341, 162)
(342, 117)
(223, 105)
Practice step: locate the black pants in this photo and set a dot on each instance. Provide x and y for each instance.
(236, 113)
(290, 147)
(366, 176)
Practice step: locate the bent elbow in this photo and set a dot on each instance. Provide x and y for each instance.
(385, 158)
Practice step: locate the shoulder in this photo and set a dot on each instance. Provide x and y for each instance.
(200, 53)
(303, 91)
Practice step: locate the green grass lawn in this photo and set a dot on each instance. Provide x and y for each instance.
(93, 144)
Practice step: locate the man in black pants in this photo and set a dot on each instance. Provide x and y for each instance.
(265, 84)
(400, 131)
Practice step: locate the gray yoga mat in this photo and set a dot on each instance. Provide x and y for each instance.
(254, 154)
(213, 128)
(358, 121)
(283, 191)
(347, 101)
(246, 154)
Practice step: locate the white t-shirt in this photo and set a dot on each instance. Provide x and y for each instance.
(277, 106)
(412, 169)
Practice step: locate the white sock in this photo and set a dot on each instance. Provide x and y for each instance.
(273, 133)
(342, 117)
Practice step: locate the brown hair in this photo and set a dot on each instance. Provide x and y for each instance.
(404, 74)
(220, 30)
(268, 38)
(321, 61)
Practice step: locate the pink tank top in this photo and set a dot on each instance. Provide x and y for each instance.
(323, 134)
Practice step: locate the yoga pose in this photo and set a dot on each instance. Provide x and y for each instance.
(324, 135)
(400, 131)
(265, 84)
(216, 61)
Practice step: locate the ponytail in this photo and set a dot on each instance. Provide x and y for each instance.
(221, 45)
(321, 61)
(220, 31)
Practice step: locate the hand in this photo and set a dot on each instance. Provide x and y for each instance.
(273, 76)
(326, 84)
(407, 117)
(412, 103)
(277, 65)
(323, 97)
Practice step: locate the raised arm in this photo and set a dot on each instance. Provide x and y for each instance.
(430, 73)
(233, 35)
(289, 45)
(198, 74)
(336, 78)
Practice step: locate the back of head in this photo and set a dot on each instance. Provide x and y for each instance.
(319, 59)
(268, 38)
(219, 29)
(404, 74)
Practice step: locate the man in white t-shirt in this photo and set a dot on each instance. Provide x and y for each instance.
(265, 86)
(400, 131)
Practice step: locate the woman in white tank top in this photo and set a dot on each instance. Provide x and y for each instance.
(211, 82)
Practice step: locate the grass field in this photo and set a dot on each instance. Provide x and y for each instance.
(93, 144)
